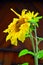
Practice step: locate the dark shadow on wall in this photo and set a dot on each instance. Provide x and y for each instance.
(20, 0)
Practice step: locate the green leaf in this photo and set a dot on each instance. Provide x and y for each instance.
(25, 64)
(40, 54)
(24, 52)
(39, 38)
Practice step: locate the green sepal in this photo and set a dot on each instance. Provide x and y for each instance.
(35, 20)
(24, 52)
(40, 54)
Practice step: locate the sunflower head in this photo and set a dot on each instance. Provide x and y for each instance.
(19, 27)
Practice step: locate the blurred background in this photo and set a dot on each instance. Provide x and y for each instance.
(8, 52)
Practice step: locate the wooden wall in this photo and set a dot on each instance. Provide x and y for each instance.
(9, 53)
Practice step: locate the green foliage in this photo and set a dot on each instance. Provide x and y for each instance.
(39, 39)
(27, 35)
(24, 52)
(35, 20)
(25, 63)
(40, 54)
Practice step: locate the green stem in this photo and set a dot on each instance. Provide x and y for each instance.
(36, 60)
(35, 57)
(32, 42)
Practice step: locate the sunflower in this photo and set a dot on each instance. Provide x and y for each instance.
(17, 29)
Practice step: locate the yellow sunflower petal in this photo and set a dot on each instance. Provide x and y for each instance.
(29, 13)
(5, 31)
(21, 36)
(24, 27)
(14, 38)
(13, 22)
(15, 12)
(23, 12)
(14, 41)
(36, 14)
(23, 30)
(32, 14)
(8, 37)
